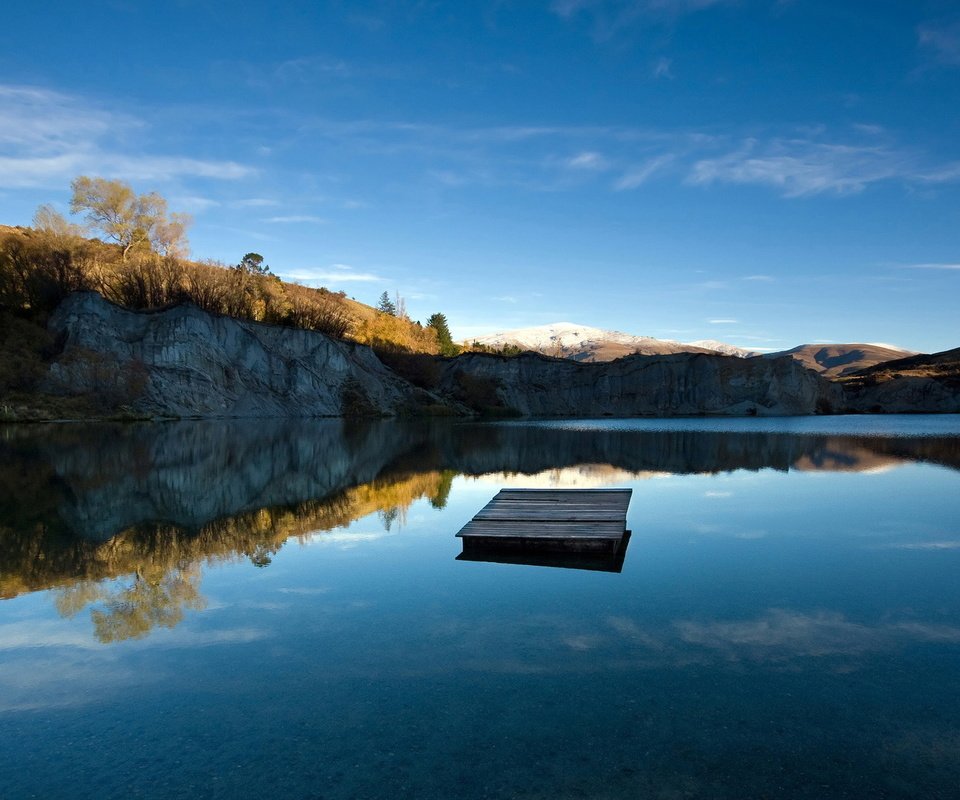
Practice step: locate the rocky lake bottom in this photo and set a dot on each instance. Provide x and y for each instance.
(257, 608)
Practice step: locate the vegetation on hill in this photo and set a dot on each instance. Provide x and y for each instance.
(139, 263)
(943, 367)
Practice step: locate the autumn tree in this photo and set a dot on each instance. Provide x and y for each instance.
(129, 219)
(52, 224)
(253, 263)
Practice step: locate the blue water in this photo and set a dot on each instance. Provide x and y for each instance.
(276, 610)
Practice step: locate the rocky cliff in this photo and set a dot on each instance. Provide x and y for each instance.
(671, 385)
(184, 362)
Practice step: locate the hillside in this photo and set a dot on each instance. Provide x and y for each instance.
(837, 360)
(38, 268)
(916, 383)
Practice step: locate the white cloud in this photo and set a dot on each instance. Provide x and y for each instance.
(641, 174)
(335, 273)
(609, 17)
(295, 218)
(51, 138)
(662, 68)
(759, 278)
(803, 167)
(587, 160)
(942, 41)
(723, 321)
(255, 202)
(933, 266)
(194, 204)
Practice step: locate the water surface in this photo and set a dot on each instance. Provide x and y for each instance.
(248, 609)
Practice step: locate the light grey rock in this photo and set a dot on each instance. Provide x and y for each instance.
(185, 362)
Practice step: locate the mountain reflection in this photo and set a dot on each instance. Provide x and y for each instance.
(148, 504)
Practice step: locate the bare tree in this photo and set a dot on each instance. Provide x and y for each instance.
(129, 219)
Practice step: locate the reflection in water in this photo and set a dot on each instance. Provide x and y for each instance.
(772, 633)
(131, 610)
(149, 504)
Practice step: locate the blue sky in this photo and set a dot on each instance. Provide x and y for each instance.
(763, 172)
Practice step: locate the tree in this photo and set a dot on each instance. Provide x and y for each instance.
(439, 323)
(52, 224)
(386, 306)
(253, 263)
(129, 219)
(399, 306)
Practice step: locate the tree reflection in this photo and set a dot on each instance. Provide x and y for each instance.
(155, 599)
(82, 507)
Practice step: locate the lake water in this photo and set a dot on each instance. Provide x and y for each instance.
(275, 609)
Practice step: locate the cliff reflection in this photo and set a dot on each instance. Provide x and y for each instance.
(149, 504)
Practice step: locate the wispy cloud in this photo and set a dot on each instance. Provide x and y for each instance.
(609, 17)
(943, 173)
(723, 321)
(587, 160)
(335, 274)
(803, 167)
(295, 218)
(710, 285)
(797, 161)
(639, 175)
(661, 69)
(942, 41)
(932, 266)
(759, 278)
(194, 204)
(51, 137)
(255, 202)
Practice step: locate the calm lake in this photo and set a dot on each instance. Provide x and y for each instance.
(252, 609)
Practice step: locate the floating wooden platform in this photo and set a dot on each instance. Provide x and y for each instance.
(551, 520)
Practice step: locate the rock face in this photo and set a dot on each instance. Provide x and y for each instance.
(680, 384)
(185, 362)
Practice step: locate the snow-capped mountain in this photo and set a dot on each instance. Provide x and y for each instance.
(723, 348)
(585, 343)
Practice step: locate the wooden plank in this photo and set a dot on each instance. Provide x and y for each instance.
(534, 529)
(559, 492)
(560, 519)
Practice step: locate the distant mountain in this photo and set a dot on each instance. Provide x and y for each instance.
(837, 360)
(584, 343)
(723, 348)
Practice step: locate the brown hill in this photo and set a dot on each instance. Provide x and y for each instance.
(836, 360)
(921, 383)
(944, 366)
